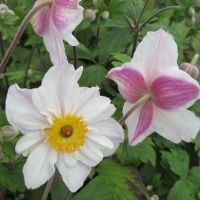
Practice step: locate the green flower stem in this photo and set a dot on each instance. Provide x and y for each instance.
(28, 66)
(141, 101)
(159, 13)
(20, 31)
(137, 28)
(48, 188)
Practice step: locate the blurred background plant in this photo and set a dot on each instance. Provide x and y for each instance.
(108, 36)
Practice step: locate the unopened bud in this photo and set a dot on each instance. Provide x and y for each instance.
(149, 187)
(90, 15)
(95, 2)
(30, 72)
(191, 11)
(4, 9)
(192, 70)
(155, 197)
(8, 132)
(105, 15)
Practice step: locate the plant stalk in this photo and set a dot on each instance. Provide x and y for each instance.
(28, 66)
(48, 188)
(141, 101)
(20, 32)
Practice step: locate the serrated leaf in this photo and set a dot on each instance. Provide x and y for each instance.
(178, 160)
(182, 190)
(93, 75)
(12, 179)
(143, 152)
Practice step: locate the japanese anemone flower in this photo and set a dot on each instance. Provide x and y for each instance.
(63, 126)
(56, 23)
(163, 92)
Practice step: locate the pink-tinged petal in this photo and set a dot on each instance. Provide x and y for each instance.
(176, 125)
(71, 4)
(157, 51)
(139, 123)
(130, 82)
(171, 92)
(54, 43)
(39, 167)
(75, 176)
(66, 20)
(40, 21)
(21, 112)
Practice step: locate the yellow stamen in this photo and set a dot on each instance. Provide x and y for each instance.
(68, 134)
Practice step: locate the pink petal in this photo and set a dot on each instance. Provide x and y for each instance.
(66, 19)
(71, 4)
(157, 51)
(131, 83)
(144, 121)
(40, 21)
(171, 92)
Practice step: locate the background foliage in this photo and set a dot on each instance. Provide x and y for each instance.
(154, 167)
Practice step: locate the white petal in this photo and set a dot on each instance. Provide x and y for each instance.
(71, 40)
(69, 159)
(55, 46)
(82, 97)
(46, 101)
(132, 122)
(157, 51)
(28, 141)
(39, 167)
(177, 125)
(75, 176)
(101, 140)
(109, 128)
(62, 83)
(97, 109)
(20, 111)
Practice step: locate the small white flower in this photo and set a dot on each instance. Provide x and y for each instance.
(63, 125)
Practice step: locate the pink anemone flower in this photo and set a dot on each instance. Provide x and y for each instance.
(56, 23)
(153, 75)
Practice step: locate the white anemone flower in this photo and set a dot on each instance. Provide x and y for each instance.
(64, 126)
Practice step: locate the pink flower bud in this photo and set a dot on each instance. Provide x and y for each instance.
(192, 70)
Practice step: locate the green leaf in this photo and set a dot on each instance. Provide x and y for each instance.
(113, 182)
(181, 190)
(178, 160)
(3, 120)
(122, 57)
(12, 179)
(59, 190)
(143, 152)
(93, 75)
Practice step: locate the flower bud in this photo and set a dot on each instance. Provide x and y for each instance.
(90, 15)
(191, 11)
(105, 15)
(8, 132)
(155, 197)
(4, 9)
(192, 70)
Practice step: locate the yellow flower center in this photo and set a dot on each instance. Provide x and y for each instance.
(68, 134)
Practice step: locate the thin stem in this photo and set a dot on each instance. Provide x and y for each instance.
(137, 28)
(195, 59)
(135, 106)
(20, 31)
(2, 193)
(159, 13)
(28, 66)
(141, 14)
(2, 53)
(68, 196)
(75, 57)
(47, 189)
